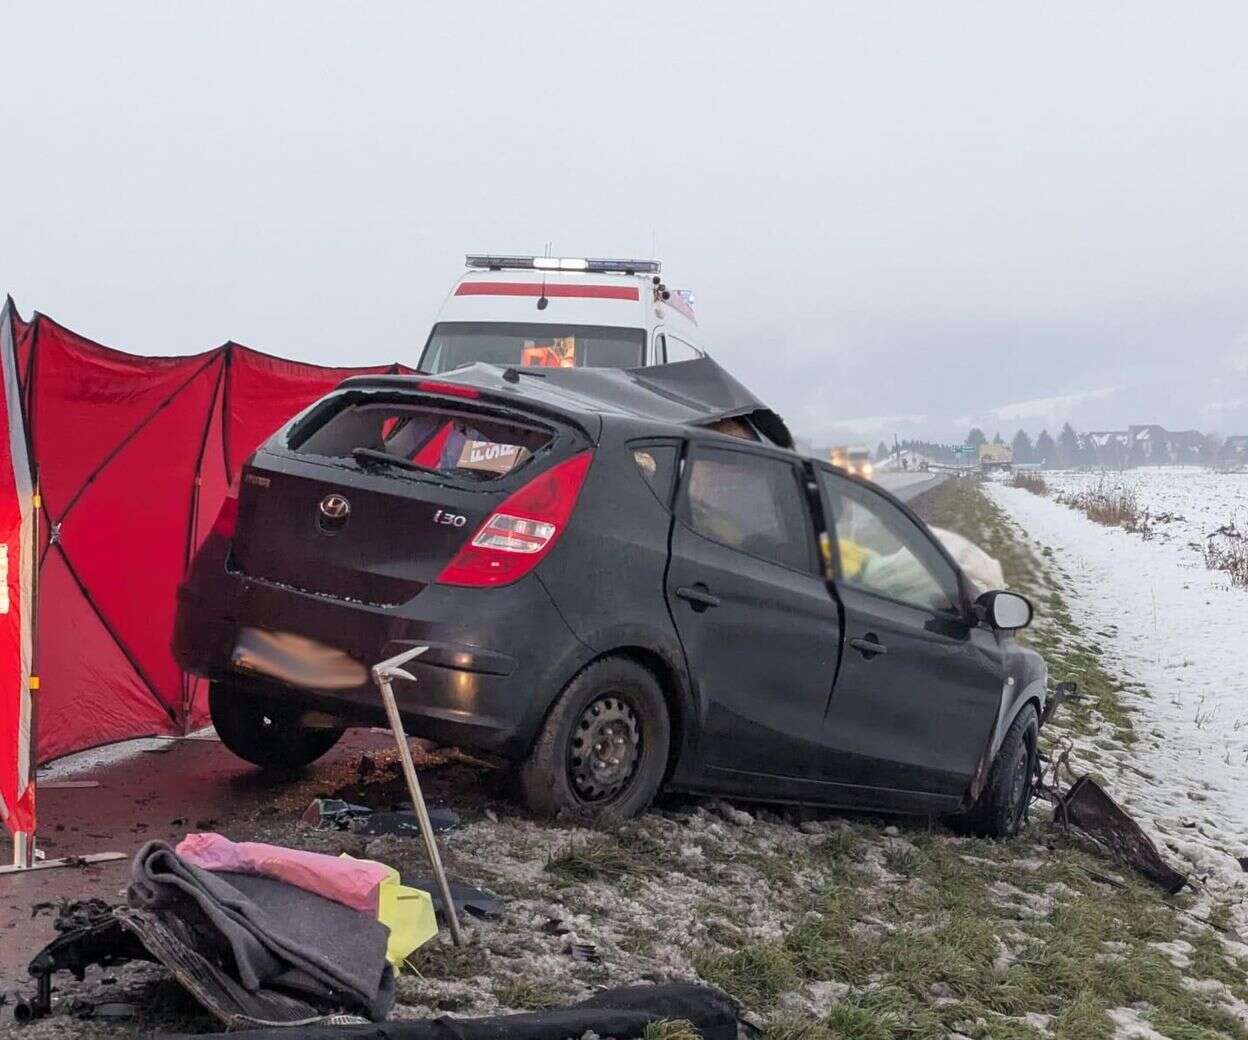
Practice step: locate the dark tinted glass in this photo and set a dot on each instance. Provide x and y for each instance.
(751, 503)
(453, 344)
(657, 465)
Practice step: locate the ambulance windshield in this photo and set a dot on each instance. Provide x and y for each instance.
(453, 344)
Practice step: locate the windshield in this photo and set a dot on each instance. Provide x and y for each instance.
(453, 344)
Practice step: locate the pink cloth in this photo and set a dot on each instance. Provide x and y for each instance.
(352, 882)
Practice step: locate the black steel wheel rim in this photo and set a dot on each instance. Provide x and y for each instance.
(1018, 785)
(604, 749)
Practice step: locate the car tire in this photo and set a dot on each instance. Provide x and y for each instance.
(602, 752)
(1001, 810)
(263, 732)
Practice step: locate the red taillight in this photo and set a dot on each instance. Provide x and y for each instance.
(435, 386)
(521, 531)
(227, 517)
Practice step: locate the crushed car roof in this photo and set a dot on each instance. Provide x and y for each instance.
(692, 393)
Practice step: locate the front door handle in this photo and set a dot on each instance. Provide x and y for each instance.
(869, 647)
(698, 596)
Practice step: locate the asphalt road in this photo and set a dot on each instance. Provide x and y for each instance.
(183, 786)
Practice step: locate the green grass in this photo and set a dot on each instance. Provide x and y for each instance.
(671, 1029)
(756, 974)
(961, 506)
(618, 856)
(529, 994)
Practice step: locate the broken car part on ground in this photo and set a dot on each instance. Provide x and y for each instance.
(258, 934)
(757, 624)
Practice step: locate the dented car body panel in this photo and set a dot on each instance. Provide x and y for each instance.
(703, 557)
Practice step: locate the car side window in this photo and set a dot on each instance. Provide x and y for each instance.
(657, 462)
(751, 503)
(679, 350)
(877, 548)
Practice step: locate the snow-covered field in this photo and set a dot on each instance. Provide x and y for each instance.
(1200, 500)
(1180, 633)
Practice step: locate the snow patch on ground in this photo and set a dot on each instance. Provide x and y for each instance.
(1180, 633)
(1200, 500)
(1129, 1024)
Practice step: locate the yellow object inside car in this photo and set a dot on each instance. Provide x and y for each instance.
(854, 557)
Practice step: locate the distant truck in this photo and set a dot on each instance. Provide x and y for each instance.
(853, 458)
(996, 456)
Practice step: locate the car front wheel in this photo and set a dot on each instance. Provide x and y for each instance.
(602, 752)
(264, 732)
(1001, 810)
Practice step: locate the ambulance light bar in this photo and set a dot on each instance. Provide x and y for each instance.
(561, 263)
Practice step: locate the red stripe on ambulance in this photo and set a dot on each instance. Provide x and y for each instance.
(597, 292)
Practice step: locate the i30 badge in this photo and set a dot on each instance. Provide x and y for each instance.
(334, 510)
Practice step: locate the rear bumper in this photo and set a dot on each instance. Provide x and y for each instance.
(497, 658)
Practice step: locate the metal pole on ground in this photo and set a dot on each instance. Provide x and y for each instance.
(25, 853)
(383, 673)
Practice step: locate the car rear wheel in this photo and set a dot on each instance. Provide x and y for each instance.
(602, 751)
(264, 732)
(1001, 810)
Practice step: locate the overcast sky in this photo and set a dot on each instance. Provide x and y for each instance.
(895, 216)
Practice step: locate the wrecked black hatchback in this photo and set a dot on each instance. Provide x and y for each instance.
(626, 580)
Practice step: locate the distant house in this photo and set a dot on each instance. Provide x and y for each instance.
(1145, 445)
(1155, 445)
(1105, 447)
(1234, 451)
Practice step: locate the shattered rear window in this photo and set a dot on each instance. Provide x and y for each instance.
(474, 447)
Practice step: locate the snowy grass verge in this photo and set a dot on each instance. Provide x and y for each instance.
(824, 926)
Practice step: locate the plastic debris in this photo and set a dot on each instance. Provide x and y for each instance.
(332, 813)
(403, 822)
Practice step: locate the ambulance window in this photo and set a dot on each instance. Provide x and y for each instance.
(453, 344)
(660, 349)
(679, 350)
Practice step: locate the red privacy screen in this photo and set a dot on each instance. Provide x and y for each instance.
(134, 455)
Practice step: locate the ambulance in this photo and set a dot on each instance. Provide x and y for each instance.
(561, 312)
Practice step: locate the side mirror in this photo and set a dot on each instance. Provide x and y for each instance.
(1005, 611)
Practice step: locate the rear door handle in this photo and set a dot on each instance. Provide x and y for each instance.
(698, 596)
(869, 647)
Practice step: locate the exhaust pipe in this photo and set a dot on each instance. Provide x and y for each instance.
(27, 1009)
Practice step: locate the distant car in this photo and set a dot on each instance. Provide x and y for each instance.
(625, 582)
(854, 459)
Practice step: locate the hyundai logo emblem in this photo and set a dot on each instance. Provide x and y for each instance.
(335, 508)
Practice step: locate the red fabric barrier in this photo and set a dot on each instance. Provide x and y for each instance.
(134, 455)
(17, 793)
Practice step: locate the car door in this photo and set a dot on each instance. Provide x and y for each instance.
(920, 683)
(760, 631)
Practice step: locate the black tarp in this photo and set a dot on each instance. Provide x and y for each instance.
(623, 1013)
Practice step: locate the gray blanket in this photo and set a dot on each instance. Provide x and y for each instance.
(279, 936)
